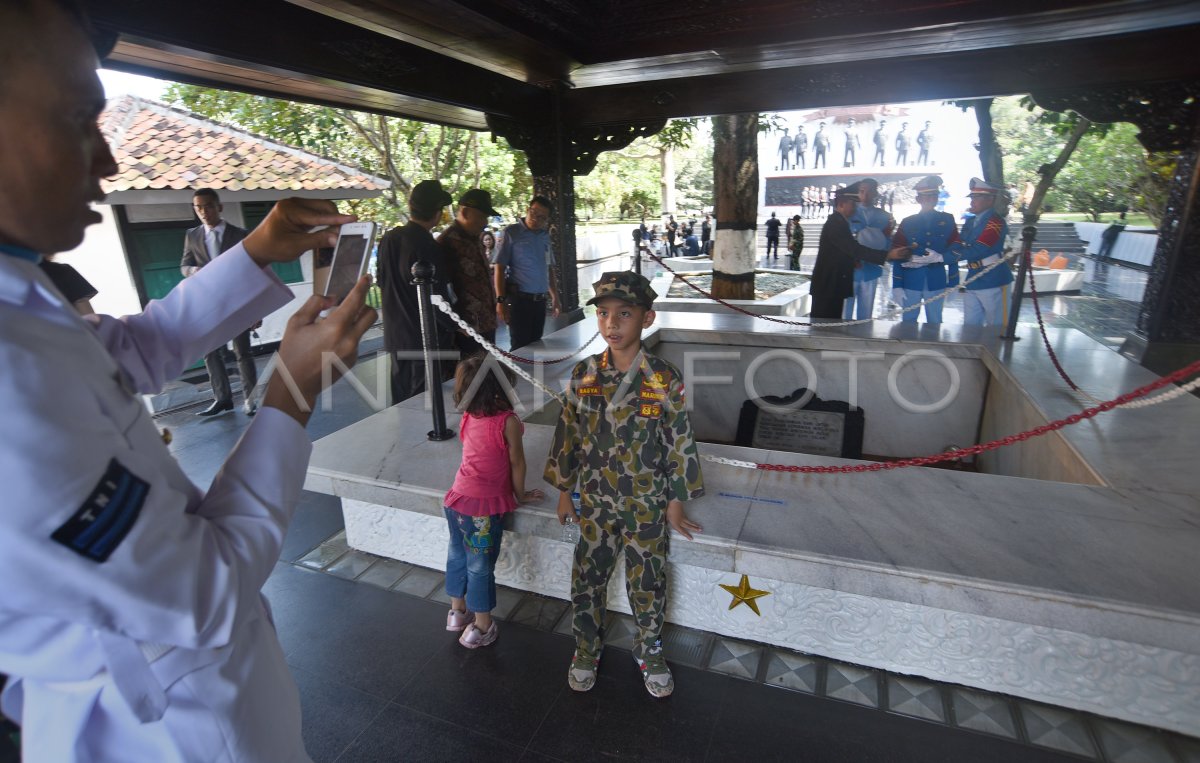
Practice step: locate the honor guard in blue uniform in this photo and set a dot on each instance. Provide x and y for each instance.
(872, 227)
(132, 627)
(932, 268)
(981, 243)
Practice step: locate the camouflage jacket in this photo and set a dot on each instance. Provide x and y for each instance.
(626, 436)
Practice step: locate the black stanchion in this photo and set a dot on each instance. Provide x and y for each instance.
(1028, 233)
(637, 250)
(423, 278)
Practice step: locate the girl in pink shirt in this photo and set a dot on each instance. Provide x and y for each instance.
(489, 484)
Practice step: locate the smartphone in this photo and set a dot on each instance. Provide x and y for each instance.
(350, 259)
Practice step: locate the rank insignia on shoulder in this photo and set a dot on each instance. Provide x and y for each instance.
(650, 409)
(106, 516)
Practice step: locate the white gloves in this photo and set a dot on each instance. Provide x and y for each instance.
(929, 258)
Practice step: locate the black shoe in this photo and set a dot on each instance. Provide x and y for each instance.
(217, 407)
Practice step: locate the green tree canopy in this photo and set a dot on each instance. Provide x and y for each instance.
(402, 151)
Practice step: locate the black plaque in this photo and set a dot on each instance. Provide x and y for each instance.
(820, 427)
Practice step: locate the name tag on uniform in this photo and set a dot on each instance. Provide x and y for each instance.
(107, 515)
(651, 410)
(649, 394)
(590, 390)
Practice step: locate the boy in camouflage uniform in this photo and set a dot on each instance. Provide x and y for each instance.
(626, 440)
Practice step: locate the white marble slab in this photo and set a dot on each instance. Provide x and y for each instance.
(1012, 571)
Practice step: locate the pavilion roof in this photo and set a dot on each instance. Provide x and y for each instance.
(159, 147)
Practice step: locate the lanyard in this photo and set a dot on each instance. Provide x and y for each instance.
(20, 252)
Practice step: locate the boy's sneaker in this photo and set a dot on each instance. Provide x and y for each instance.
(655, 673)
(456, 621)
(582, 675)
(473, 638)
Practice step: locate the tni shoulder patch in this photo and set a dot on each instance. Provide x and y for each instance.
(107, 515)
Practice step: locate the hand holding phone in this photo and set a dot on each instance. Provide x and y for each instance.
(350, 259)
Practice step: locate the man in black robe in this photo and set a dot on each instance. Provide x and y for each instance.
(838, 254)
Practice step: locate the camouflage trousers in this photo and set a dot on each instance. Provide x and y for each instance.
(609, 535)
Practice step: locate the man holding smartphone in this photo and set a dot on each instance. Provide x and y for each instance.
(399, 250)
(132, 624)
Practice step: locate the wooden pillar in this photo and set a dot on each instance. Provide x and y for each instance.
(556, 152)
(735, 183)
(1168, 329)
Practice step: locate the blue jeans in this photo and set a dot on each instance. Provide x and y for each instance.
(864, 296)
(471, 558)
(933, 310)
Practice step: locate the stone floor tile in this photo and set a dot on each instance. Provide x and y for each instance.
(321, 557)
(420, 581)
(385, 572)
(980, 711)
(351, 564)
(1126, 743)
(541, 612)
(1057, 728)
(793, 671)
(507, 600)
(735, 658)
(1187, 748)
(685, 646)
(852, 683)
(915, 697)
(620, 632)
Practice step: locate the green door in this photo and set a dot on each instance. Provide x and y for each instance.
(154, 253)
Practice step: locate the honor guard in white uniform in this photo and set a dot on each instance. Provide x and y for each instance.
(132, 627)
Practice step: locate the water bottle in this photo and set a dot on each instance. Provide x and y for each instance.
(570, 532)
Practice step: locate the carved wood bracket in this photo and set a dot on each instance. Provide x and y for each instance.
(584, 144)
(1166, 113)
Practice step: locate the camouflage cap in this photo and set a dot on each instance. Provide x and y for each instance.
(624, 285)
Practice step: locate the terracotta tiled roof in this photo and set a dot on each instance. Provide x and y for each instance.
(161, 147)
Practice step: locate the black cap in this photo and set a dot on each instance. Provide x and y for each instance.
(429, 194)
(477, 198)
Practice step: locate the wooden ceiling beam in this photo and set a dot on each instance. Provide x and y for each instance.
(1152, 56)
(272, 46)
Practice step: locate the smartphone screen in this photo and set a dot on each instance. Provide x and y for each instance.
(349, 260)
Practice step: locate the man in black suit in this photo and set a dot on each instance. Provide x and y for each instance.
(837, 255)
(200, 246)
(399, 250)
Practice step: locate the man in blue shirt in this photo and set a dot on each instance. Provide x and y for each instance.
(525, 274)
(932, 268)
(872, 227)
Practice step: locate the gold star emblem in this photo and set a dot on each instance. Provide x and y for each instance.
(744, 594)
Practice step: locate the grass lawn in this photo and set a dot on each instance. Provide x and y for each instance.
(1133, 218)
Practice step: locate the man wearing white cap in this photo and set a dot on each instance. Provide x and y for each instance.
(932, 268)
(982, 244)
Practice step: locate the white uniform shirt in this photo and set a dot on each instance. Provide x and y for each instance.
(131, 621)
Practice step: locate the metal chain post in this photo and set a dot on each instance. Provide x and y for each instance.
(1028, 233)
(423, 273)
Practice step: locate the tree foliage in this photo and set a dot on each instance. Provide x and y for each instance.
(402, 151)
(1106, 171)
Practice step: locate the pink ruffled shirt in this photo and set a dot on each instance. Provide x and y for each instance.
(483, 485)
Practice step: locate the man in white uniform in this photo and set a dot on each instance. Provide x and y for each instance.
(131, 624)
